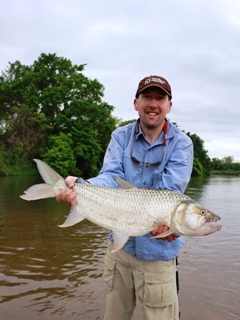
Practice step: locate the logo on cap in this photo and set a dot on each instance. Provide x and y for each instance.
(153, 79)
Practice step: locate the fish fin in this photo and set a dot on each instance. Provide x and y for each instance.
(74, 217)
(47, 173)
(124, 184)
(165, 234)
(38, 191)
(119, 240)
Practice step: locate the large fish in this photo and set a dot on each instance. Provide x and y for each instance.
(127, 211)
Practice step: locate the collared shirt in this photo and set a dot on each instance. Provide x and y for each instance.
(131, 157)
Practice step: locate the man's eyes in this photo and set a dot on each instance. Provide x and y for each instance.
(157, 98)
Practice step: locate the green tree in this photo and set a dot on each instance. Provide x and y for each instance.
(203, 164)
(226, 165)
(217, 164)
(197, 168)
(227, 161)
(26, 132)
(59, 153)
(123, 123)
(3, 169)
(51, 97)
(236, 167)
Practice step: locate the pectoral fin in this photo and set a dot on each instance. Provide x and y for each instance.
(119, 240)
(74, 217)
(124, 184)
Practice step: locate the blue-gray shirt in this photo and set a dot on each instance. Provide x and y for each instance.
(131, 157)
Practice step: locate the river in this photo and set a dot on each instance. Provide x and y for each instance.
(52, 273)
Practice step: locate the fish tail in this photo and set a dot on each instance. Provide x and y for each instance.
(47, 173)
(43, 190)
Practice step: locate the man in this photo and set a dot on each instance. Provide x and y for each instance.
(149, 153)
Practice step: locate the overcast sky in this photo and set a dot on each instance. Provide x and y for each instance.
(194, 44)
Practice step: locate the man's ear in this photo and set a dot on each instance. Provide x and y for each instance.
(135, 102)
(169, 107)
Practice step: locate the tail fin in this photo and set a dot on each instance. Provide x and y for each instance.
(43, 190)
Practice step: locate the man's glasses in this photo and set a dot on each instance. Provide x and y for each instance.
(134, 159)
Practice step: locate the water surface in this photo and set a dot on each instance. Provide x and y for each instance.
(47, 272)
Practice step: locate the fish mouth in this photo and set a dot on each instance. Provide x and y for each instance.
(212, 224)
(213, 219)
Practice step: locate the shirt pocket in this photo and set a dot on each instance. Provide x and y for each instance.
(158, 293)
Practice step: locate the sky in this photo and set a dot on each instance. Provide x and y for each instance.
(194, 44)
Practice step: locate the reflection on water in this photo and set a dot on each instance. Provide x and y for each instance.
(48, 272)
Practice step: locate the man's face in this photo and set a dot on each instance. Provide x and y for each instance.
(153, 105)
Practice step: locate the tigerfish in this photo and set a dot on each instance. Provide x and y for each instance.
(127, 211)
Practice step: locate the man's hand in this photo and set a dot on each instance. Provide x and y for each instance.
(68, 196)
(162, 229)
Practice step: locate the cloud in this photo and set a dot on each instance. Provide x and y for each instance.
(192, 43)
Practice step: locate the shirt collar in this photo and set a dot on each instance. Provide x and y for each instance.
(138, 131)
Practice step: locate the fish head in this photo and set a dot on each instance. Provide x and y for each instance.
(191, 219)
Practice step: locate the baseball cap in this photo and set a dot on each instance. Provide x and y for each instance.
(154, 81)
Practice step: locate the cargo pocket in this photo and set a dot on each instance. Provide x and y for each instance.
(157, 293)
(108, 273)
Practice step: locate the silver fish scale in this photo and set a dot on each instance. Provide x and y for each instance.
(133, 212)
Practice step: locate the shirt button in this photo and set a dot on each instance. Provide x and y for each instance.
(144, 182)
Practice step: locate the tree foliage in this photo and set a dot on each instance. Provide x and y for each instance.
(26, 131)
(202, 162)
(59, 152)
(226, 165)
(124, 123)
(52, 111)
(49, 106)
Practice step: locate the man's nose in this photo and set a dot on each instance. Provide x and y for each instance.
(152, 102)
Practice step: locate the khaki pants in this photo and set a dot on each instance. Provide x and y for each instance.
(154, 282)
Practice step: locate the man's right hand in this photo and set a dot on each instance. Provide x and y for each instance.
(68, 196)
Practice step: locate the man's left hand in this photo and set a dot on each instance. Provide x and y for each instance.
(162, 229)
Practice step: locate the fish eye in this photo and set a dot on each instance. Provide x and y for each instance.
(203, 212)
